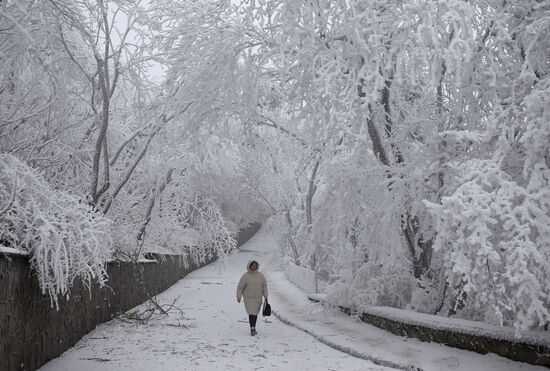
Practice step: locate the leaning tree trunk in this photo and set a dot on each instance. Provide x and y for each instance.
(153, 195)
(290, 238)
(419, 250)
(312, 188)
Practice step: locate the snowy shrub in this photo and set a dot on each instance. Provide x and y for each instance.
(371, 285)
(66, 239)
(494, 234)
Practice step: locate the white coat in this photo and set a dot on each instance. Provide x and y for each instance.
(252, 286)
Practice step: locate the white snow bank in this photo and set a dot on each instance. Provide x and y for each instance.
(460, 326)
(339, 346)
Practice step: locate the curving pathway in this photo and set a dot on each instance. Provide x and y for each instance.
(211, 334)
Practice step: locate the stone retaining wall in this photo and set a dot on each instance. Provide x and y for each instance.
(32, 332)
(515, 349)
(246, 233)
(536, 354)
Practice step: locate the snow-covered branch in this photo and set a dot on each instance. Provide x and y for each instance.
(66, 238)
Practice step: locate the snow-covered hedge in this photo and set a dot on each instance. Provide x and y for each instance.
(66, 239)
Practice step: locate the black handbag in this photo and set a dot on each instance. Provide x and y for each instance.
(267, 309)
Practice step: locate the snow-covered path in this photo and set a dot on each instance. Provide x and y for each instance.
(213, 333)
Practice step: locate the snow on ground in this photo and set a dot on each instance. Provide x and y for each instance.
(212, 334)
(370, 342)
(215, 334)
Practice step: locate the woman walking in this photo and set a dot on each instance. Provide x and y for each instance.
(252, 286)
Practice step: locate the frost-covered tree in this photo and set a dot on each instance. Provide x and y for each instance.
(66, 238)
(41, 115)
(493, 228)
(402, 146)
(80, 109)
(400, 101)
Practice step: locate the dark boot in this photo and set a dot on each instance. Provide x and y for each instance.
(252, 319)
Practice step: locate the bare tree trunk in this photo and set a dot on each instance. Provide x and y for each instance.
(377, 146)
(386, 102)
(442, 293)
(106, 177)
(130, 170)
(374, 135)
(105, 87)
(291, 241)
(312, 188)
(439, 103)
(98, 149)
(419, 250)
(153, 195)
(124, 144)
(310, 193)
